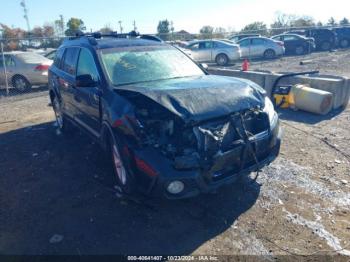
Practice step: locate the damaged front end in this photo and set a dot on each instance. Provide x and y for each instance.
(201, 155)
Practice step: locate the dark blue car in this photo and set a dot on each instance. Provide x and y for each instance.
(325, 39)
(168, 127)
(296, 44)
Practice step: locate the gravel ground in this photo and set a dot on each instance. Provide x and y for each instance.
(55, 197)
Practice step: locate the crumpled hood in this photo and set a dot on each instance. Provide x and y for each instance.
(196, 99)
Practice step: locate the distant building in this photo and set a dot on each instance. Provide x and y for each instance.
(183, 35)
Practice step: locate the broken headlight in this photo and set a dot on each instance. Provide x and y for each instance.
(270, 111)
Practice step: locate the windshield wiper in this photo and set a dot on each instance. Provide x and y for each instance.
(147, 81)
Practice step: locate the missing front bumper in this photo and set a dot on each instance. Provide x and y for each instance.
(197, 182)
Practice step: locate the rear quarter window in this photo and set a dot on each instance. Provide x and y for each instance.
(58, 57)
(220, 45)
(258, 41)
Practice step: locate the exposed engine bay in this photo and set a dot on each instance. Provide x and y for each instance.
(195, 146)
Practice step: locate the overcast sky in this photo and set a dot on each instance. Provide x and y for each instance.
(189, 15)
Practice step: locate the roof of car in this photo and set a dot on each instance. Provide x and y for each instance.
(245, 35)
(14, 52)
(206, 40)
(254, 37)
(291, 34)
(111, 42)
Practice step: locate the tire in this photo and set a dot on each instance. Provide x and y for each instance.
(269, 54)
(326, 46)
(62, 123)
(120, 167)
(221, 59)
(299, 50)
(344, 43)
(21, 83)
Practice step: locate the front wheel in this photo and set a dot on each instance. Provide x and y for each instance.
(222, 60)
(120, 167)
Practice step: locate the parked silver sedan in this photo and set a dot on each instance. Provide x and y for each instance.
(216, 51)
(23, 69)
(261, 47)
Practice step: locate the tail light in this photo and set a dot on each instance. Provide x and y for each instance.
(42, 68)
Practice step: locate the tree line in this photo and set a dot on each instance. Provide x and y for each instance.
(165, 29)
(281, 23)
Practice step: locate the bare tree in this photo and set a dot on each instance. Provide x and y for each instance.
(331, 21)
(344, 21)
(255, 27)
(106, 29)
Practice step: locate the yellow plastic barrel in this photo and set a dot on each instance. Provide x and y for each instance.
(311, 99)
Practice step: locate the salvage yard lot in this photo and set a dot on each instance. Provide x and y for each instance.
(54, 185)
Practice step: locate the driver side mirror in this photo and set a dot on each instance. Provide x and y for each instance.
(85, 81)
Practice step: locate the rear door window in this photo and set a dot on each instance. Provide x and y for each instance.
(257, 41)
(245, 42)
(205, 45)
(70, 60)
(290, 38)
(219, 45)
(8, 61)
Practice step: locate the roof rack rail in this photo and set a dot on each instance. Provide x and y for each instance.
(91, 37)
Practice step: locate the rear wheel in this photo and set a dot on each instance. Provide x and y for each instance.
(21, 83)
(269, 54)
(62, 123)
(221, 59)
(344, 43)
(299, 50)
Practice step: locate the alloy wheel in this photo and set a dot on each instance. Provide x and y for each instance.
(58, 113)
(119, 166)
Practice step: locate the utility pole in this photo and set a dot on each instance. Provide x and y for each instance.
(134, 24)
(172, 30)
(4, 66)
(25, 11)
(62, 25)
(120, 26)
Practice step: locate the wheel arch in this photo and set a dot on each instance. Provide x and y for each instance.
(16, 76)
(106, 132)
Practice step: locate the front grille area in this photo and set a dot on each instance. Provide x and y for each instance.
(224, 135)
(223, 143)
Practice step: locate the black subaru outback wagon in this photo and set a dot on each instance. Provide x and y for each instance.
(169, 128)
